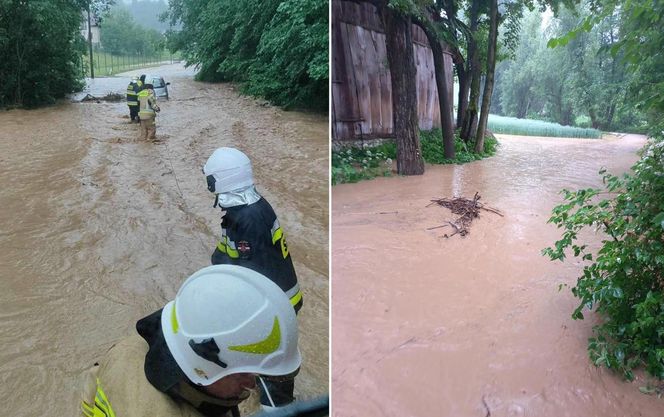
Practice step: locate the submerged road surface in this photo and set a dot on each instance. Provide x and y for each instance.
(425, 325)
(99, 229)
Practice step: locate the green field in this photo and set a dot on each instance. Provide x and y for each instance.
(514, 126)
(106, 64)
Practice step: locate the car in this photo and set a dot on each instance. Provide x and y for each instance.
(160, 87)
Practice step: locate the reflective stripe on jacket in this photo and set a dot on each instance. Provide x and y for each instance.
(118, 386)
(148, 104)
(132, 94)
(251, 236)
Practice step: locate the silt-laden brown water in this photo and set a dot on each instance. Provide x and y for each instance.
(470, 326)
(99, 229)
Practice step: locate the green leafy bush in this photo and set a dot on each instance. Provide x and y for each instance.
(348, 165)
(276, 49)
(353, 165)
(624, 280)
(432, 148)
(40, 51)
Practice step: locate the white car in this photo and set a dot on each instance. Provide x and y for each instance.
(160, 87)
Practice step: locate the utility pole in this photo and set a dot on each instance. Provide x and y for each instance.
(92, 69)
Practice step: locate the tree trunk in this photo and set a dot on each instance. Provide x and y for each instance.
(469, 123)
(399, 45)
(464, 90)
(446, 120)
(490, 70)
(593, 118)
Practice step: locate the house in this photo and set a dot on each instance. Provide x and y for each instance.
(94, 27)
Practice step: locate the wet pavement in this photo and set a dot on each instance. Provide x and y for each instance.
(99, 229)
(425, 325)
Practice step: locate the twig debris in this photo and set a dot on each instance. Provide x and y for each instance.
(467, 209)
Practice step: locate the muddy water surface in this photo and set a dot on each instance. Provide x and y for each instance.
(99, 229)
(474, 326)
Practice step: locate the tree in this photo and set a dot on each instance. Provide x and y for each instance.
(122, 35)
(437, 30)
(473, 73)
(488, 84)
(277, 49)
(293, 51)
(40, 51)
(399, 47)
(624, 280)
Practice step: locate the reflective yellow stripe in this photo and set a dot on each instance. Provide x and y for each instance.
(102, 396)
(174, 320)
(232, 252)
(87, 410)
(263, 347)
(277, 235)
(296, 298)
(102, 407)
(222, 247)
(225, 248)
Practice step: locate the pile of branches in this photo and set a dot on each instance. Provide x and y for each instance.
(110, 96)
(467, 210)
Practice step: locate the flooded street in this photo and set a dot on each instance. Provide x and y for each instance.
(99, 229)
(470, 326)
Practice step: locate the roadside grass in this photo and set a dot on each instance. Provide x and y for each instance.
(514, 126)
(106, 64)
(356, 164)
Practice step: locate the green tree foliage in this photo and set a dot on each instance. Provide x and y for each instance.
(40, 51)
(582, 80)
(293, 53)
(624, 279)
(277, 49)
(120, 34)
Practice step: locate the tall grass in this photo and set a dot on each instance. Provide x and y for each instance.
(514, 126)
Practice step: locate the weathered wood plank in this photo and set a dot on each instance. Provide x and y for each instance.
(361, 85)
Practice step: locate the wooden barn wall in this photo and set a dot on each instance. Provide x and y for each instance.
(361, 87)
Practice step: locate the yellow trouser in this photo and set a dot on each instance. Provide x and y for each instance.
(148, 129)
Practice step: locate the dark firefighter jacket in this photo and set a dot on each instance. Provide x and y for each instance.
(132, 93)
(252, 237)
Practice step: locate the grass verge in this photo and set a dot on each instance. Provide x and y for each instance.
(514, 126)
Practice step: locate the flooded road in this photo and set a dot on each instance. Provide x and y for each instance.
(470, 326)
(99, 229)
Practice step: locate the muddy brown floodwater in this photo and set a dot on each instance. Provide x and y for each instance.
(474, 326)
(99, 229)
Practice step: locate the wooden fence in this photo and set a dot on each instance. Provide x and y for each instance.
(361, 86)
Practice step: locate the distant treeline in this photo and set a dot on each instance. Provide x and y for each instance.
(40, 51)
(122, 34)
(587, 83)
(277, 49)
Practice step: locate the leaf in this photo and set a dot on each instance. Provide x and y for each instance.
(659, 220)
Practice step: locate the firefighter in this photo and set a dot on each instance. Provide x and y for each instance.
(147, 112)
(226, 325)
(132, 98)
(251, 236)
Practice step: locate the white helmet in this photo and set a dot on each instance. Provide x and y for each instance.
(228, 169)
(227, 319)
